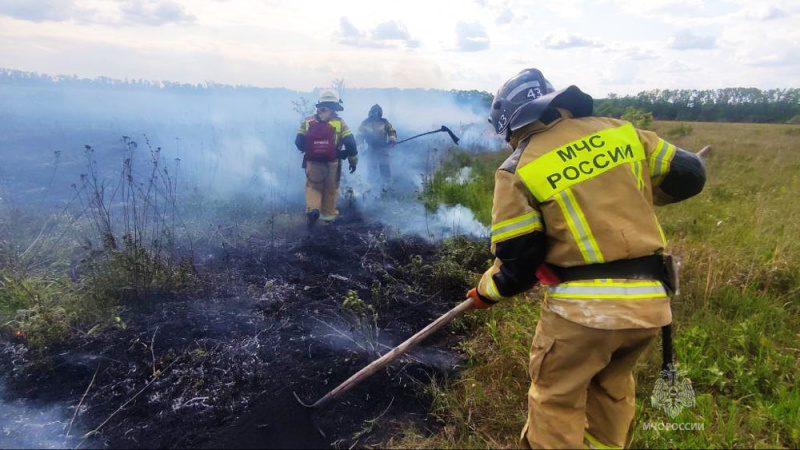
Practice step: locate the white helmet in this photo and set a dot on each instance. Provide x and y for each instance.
(331, 100)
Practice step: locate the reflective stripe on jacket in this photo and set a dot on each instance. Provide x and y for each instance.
(343, 136)
(342, 130)
(376, 133)
(580, 191)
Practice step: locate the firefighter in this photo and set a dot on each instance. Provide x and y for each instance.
(321, 137)
(379, 135)
(578, 194)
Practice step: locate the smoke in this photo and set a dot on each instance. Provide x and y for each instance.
(335, 333)
(411, 218)
(23, 425)
(218, 142)
(222, 141)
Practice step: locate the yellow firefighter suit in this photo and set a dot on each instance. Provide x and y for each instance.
(323, 174)
(578, 193)
(380, 136)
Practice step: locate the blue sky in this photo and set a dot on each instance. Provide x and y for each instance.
(620, 46)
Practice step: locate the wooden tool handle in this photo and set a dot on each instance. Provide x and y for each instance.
(393, 354)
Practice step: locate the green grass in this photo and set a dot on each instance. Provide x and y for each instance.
(737, 322)
(35, 307)
(475, 193)
(53, 285)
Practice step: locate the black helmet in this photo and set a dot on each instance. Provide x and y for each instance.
(376, 109)
(523, 99)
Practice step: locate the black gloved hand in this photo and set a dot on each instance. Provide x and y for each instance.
(353, 161)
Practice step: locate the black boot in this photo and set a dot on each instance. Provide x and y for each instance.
(313, 216)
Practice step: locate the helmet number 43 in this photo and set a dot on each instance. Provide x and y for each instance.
(503, 120)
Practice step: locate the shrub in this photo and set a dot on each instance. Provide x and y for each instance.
(638, 117)
(460, 263)
(680, 130)
(35, 308)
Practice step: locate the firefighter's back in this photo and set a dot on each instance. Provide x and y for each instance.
(591, 180)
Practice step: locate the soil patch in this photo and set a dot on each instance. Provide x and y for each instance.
(219, 370)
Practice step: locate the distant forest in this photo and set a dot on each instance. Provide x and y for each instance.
(712, 105)
(22, 78)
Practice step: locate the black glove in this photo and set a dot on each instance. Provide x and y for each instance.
(353, 161)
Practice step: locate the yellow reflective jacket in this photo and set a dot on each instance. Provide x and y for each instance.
(580, 191)
(376, 133)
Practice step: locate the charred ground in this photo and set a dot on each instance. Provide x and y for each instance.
(218, 368)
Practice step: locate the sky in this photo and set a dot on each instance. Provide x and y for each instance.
(603, 46)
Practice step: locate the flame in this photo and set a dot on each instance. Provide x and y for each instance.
(18, 333)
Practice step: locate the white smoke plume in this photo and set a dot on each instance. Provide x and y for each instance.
(219, 140)
(23, 425)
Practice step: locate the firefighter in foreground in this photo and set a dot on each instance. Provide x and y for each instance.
(380, 137)
(321, 137)
(577, 193)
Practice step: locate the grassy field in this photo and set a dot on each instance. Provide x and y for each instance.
(737, 322)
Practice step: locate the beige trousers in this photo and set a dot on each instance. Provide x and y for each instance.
(582, 388)
(322, 187)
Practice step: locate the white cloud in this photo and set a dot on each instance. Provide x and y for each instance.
(384, 35)
(155, 12)
(778, 57)
(631, 52)
(763, 39)
(777, 53)
(283, 43)
(565, 9)
(471, 37)
(765, 12)
(677, 66)
(768, 10)
(687, 40)
(505, 16)
(662, 8)
(390, 30)
(561, 39)
(41, 10)
(348, 30)
(615, 74)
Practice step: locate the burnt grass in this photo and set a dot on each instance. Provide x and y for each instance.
(219, 367)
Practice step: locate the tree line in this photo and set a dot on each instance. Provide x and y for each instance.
(711, 105)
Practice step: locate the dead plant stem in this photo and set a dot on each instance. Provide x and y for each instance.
(96, 430)
(78, 408)
(152, 351)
